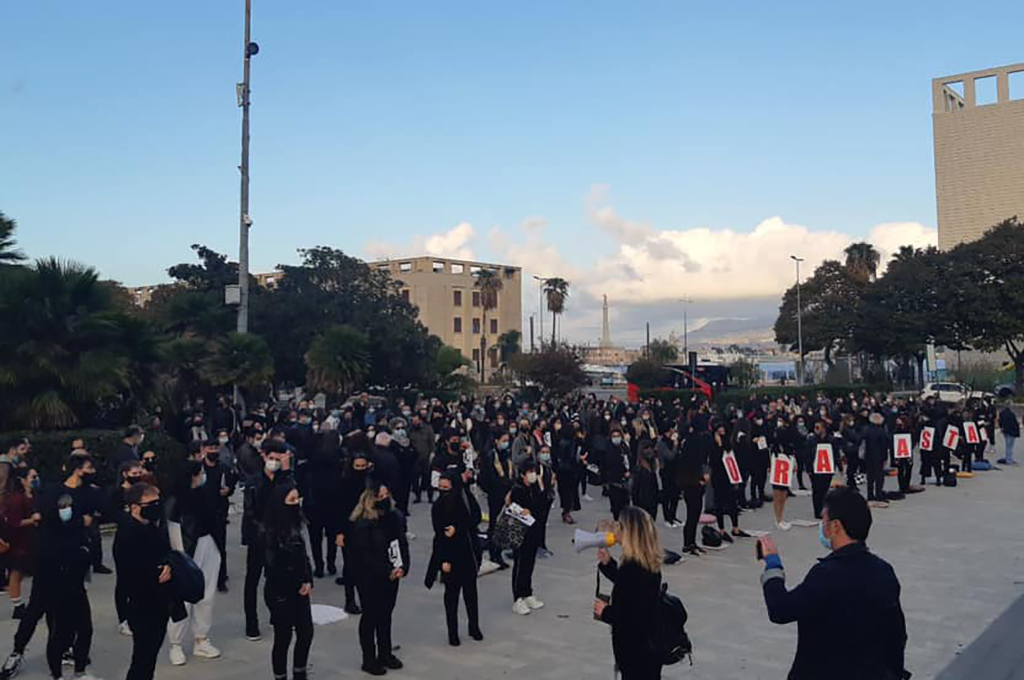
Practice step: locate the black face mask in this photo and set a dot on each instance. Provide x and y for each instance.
(154, 512)
(384, 504)
(149, 464)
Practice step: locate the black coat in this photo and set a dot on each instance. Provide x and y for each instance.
(850, 625)
(287, 566)
(456, 508)
(371, 541)
(635, 596)
(140, 551)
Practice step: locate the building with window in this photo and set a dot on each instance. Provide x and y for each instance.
(450, 306)
(978, 125)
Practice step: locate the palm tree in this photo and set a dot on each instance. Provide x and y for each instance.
(508, 345)
(338, 359)
(556, 292)
(8, 255)
(241, 359)
(64, 347)
(489, 284)
(862, 261)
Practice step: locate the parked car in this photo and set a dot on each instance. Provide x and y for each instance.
(1005, 390)
(952, 393)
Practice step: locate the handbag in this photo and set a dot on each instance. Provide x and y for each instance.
(187, 578)
(509, 532)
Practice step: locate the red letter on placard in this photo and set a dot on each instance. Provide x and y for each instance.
(732, 468)
(901, 445)
(781, 471)
(971, 433)
(952, 437)
(824, 464)
(927, 437)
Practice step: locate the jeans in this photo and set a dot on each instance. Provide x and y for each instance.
(1010, 441)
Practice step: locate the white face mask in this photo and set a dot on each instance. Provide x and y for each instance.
(222, 440)
(531, 477)
(272, 465)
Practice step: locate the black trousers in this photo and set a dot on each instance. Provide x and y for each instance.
(525, 557)
(669, 498)
(618, 496)
(820, 485)
(95, 543)
(120, 601)
(725, 504)
(904, 470)
(568, 493)
(941, 464)
(495, 504)
(290, 614)
(255, 556)
(42, 588)
(467, 587)
(645, 669)
(378, 600)
(219, 534)
(876, 479)
(71, 620)
(149, 627)
(349, 576)
(403, 489)
(852, 466)
(759, 476)
(693, 496)
(319, 531)
(802, 466)
(421, 480)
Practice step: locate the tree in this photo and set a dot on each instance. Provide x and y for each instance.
(447, 376)
(489, 284)
(241, 359)
(509, 345)
(647, 373)
(662, 351)
(338, 360)
(744, 373)
(558, 368)
(8, 254)
(65, 346)
(862, 261)
(556, 292)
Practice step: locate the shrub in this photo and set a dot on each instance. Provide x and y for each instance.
(739, 397)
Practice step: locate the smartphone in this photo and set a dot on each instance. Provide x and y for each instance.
(760, 552)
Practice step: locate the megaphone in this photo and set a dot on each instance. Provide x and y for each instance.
(584, 540)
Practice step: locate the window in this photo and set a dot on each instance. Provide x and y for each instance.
(474, 270)
(985, 91)
(492, 356)
(457, 298)
(438, 267)
(457, 268)
(405, 294)
(405, 267)
(458, 324)
(384, 267)
(476, 298)
(1015, 81)
(494, 326)
(476, 356)
(476, 326)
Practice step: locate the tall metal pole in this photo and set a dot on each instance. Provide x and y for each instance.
(244, 221)
(799, 321)
(540, 305)
(686, 341)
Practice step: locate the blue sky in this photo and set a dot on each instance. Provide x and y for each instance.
(397, 121)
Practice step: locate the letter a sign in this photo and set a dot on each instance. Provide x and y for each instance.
(927, 438)
(971, 433)
(782, 471)
(824, 463)
(952, 437)
(901, 446)
(732, 468)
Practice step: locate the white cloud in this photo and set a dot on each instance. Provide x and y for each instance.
(889, 237)
(602, 214)
(453, 243)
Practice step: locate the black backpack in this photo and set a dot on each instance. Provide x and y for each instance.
(949, 479)
(710, 537)
(672, 644)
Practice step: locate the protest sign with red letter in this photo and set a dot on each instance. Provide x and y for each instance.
(732, 467)
(824, 462)
(901, 446)
(952, 437)
(971, 433)
(782, 471)
(927, 438)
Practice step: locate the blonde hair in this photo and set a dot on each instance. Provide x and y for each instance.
(639, 539)
(366, 508)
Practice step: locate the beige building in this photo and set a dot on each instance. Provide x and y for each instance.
(978, 125)
(450, 306)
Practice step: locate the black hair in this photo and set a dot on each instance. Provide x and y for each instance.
(134, 494)
(528, 465)
(274, 446)
(13, 444)
(124, 467)
(851, 510)
(194, 447)
(76, 462)
(132, 431)
(280, 522)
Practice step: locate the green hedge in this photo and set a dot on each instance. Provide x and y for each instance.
(738, 397)
(51, 448)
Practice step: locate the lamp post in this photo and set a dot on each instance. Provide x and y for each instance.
(686, 343)
(799, 321)
(541, 280)
(244, 220)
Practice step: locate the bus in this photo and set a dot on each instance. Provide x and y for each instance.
(709, 378)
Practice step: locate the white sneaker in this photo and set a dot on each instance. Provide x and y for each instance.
(784, 525)
(520, 607)
(85, 675)
(587, 498)
(532, 602)
(177, 656)
(487, 567)
(410, 536)
(124, 629)
(205, 650)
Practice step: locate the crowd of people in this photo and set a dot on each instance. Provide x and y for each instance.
(318, 484)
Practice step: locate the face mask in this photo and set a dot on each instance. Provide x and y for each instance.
(383, 504)
(134, 479)
(503, 446)
(149, 464)
(646, 417)
(222, 440)
(512, 430)
(616, 440)
(400, 434)
(154, 512)
(545, 458)
(407, 413)
(212, 456)
(35, 484)
(531, 478)
(272, 465)
(825, 543)
(607, 417)
(65, 514)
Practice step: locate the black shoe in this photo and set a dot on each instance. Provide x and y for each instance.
(318, 572)
(374, 668)
(332, 570)
(416, 500)
(476, 634)
(392, 662)
(340, 581)
(454, 641)
(353, 609)
(102, 569)
(725, 536)
(222, 587)
(692, 550)
(19, 612)
(252, 634)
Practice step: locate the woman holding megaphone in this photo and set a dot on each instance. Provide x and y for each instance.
(635, 595)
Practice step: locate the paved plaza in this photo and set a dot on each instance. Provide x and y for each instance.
(957, 553)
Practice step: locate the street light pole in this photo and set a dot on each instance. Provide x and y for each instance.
(799, 320)
(540, 304)
(244, 220)
(686, 342)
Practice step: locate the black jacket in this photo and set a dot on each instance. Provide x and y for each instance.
(1008, 423)
(850, 624)
(635, 596)
(287, 567)
(876, 443)
(140, 551)
(456, 508)
(371, 541)
(258, 490)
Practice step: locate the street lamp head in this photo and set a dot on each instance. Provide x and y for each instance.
(796, 259)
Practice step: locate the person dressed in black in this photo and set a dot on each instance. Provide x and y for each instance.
(820, 481)
(141, 550)
(635, 596)
(221, 480)
(496, 479)
(615, 472)
(565, 451)
(849, 621)
(528, 496)
(354, 481)
(381, 551)
(289, 582)
(724, 489)
(691, 477)
(455, 516)
(321, 501)
(129, 474)
(668, 462)
(877, 444)
(644, 489)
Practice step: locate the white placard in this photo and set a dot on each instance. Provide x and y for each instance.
(927, 438)
(732, 467)
(952, 437)
(902, 446)
(824, 461)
